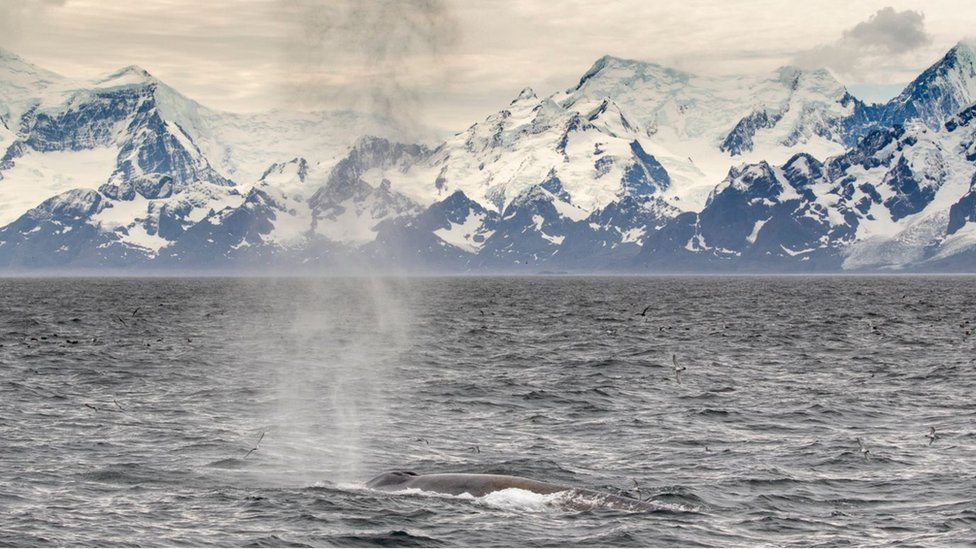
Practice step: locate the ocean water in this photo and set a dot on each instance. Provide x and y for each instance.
(128, 408)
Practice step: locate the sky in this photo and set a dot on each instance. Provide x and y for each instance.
(450, 63)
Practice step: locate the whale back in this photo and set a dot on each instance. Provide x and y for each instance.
(477, 485)
(393, 480)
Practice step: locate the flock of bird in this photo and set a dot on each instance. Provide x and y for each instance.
(677, 368)
(932, 435)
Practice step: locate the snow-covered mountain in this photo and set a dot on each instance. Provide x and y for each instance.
(159, 161)
(940, 92)
(637, 167)
(899, 199)
(686, 129)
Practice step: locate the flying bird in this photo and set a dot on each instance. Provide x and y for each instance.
(864, 451)
(677, 368)
(932, 436)
(644, 312)
(255, 447)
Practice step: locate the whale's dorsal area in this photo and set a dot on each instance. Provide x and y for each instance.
(478, 485)
(456, 484)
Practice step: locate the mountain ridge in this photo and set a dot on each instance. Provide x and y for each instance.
(637, 167)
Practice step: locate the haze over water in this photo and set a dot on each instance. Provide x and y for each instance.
(127, 407)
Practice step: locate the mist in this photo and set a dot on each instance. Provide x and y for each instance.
(333, 369)
(379, 57)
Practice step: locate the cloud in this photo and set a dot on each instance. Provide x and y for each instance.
(453, 62)
(890, 31)
(871, 45)
(16, 14)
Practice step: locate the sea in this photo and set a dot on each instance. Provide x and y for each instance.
(791, 411)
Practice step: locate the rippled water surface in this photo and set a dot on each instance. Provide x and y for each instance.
(127, 407)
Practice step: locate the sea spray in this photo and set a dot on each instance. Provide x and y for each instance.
(335, 374)
(337, 368)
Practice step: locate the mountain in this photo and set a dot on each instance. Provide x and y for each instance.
(902, 198)
(939, 93)
(601, 177)
(636, 167)
(159, 161)
(691, 128)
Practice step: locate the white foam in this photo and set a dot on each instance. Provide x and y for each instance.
(519, 500)
(516, 499)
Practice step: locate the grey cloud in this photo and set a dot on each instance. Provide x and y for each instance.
(890, 31)
(880, 40)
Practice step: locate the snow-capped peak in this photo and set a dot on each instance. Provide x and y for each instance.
(15, 71)
(817, 79)
(617, 71)
(965, 50)
(131, 74)
(941, 91)
(527, 94)
(10, 62)
(21, 83)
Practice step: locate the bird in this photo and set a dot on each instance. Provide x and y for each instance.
(864, 451)
(424, 440)
(90, 406)
(637, 487)
(475, 449)
(677, 368)
(644, 312)
(255, 447)
(932, 436)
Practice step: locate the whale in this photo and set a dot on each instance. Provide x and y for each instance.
(480, 485)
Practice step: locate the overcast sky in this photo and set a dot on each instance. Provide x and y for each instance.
(452, 62)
